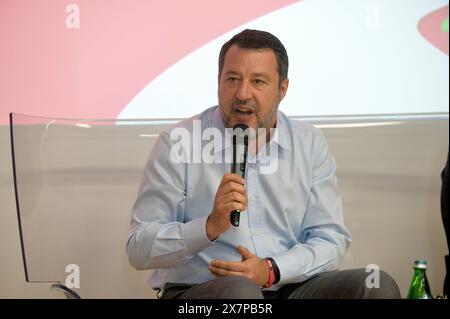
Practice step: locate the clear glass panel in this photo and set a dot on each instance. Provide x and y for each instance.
(76, 181)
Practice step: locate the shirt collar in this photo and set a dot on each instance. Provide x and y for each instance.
(282, 136)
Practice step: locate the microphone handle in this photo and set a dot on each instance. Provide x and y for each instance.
(236, 214)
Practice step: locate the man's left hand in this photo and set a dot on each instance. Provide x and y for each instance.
(251, 267)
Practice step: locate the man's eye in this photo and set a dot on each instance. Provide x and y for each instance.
(258, 81)
(232, 79)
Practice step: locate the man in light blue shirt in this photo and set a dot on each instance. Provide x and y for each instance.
(291, 238)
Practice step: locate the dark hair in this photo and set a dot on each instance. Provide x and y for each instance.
(255, 39)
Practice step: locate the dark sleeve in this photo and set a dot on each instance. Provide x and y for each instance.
(444, 212)
(444, 201)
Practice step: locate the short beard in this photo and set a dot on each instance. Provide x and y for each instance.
(265, 123)
(269, 120)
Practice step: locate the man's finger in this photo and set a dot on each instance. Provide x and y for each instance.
(232, 187)
(219, 272)
(214, 273)
(234, 197)
(245, 253)
(232, 177)
(235, 266)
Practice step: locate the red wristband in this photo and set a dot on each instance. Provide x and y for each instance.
(271, 274)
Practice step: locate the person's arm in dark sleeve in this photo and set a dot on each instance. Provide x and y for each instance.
(445, 222)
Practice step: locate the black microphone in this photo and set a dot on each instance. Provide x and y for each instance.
(240, 148)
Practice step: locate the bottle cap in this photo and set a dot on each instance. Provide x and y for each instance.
(421, 264)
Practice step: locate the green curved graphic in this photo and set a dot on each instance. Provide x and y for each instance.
(444, 25)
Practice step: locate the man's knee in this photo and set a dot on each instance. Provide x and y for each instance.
(387, 288)
(233, 287)
(359, 284)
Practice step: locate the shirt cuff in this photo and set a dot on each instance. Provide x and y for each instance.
(291, 267)
(194, 233)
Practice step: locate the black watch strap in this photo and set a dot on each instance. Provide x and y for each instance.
(276, 270)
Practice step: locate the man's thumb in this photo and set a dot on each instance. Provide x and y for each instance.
(244, 252)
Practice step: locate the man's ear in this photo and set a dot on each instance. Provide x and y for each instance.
(218, 84)
(218, 80)
(283, 88)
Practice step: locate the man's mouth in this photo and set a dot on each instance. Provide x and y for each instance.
(241, 110)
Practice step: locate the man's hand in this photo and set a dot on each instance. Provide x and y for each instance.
(230, 196)
(251, 267)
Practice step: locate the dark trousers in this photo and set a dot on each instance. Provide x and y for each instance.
(347, 284)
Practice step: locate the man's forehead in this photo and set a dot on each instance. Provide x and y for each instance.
(262, 60)
(237, 50)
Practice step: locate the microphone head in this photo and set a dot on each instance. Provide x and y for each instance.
(241, 126)
(240, 131)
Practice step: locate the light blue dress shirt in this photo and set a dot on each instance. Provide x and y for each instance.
(293, 215)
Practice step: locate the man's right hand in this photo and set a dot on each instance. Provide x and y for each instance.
(230, 196)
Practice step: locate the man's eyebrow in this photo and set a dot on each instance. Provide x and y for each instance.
(261, 75)
(231, 73)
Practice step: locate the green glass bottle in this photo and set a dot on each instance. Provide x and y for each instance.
(419, 289)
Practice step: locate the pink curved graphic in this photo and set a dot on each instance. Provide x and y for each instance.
(50, 70)
(430, 28)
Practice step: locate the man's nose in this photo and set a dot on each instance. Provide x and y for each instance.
(244, 91)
